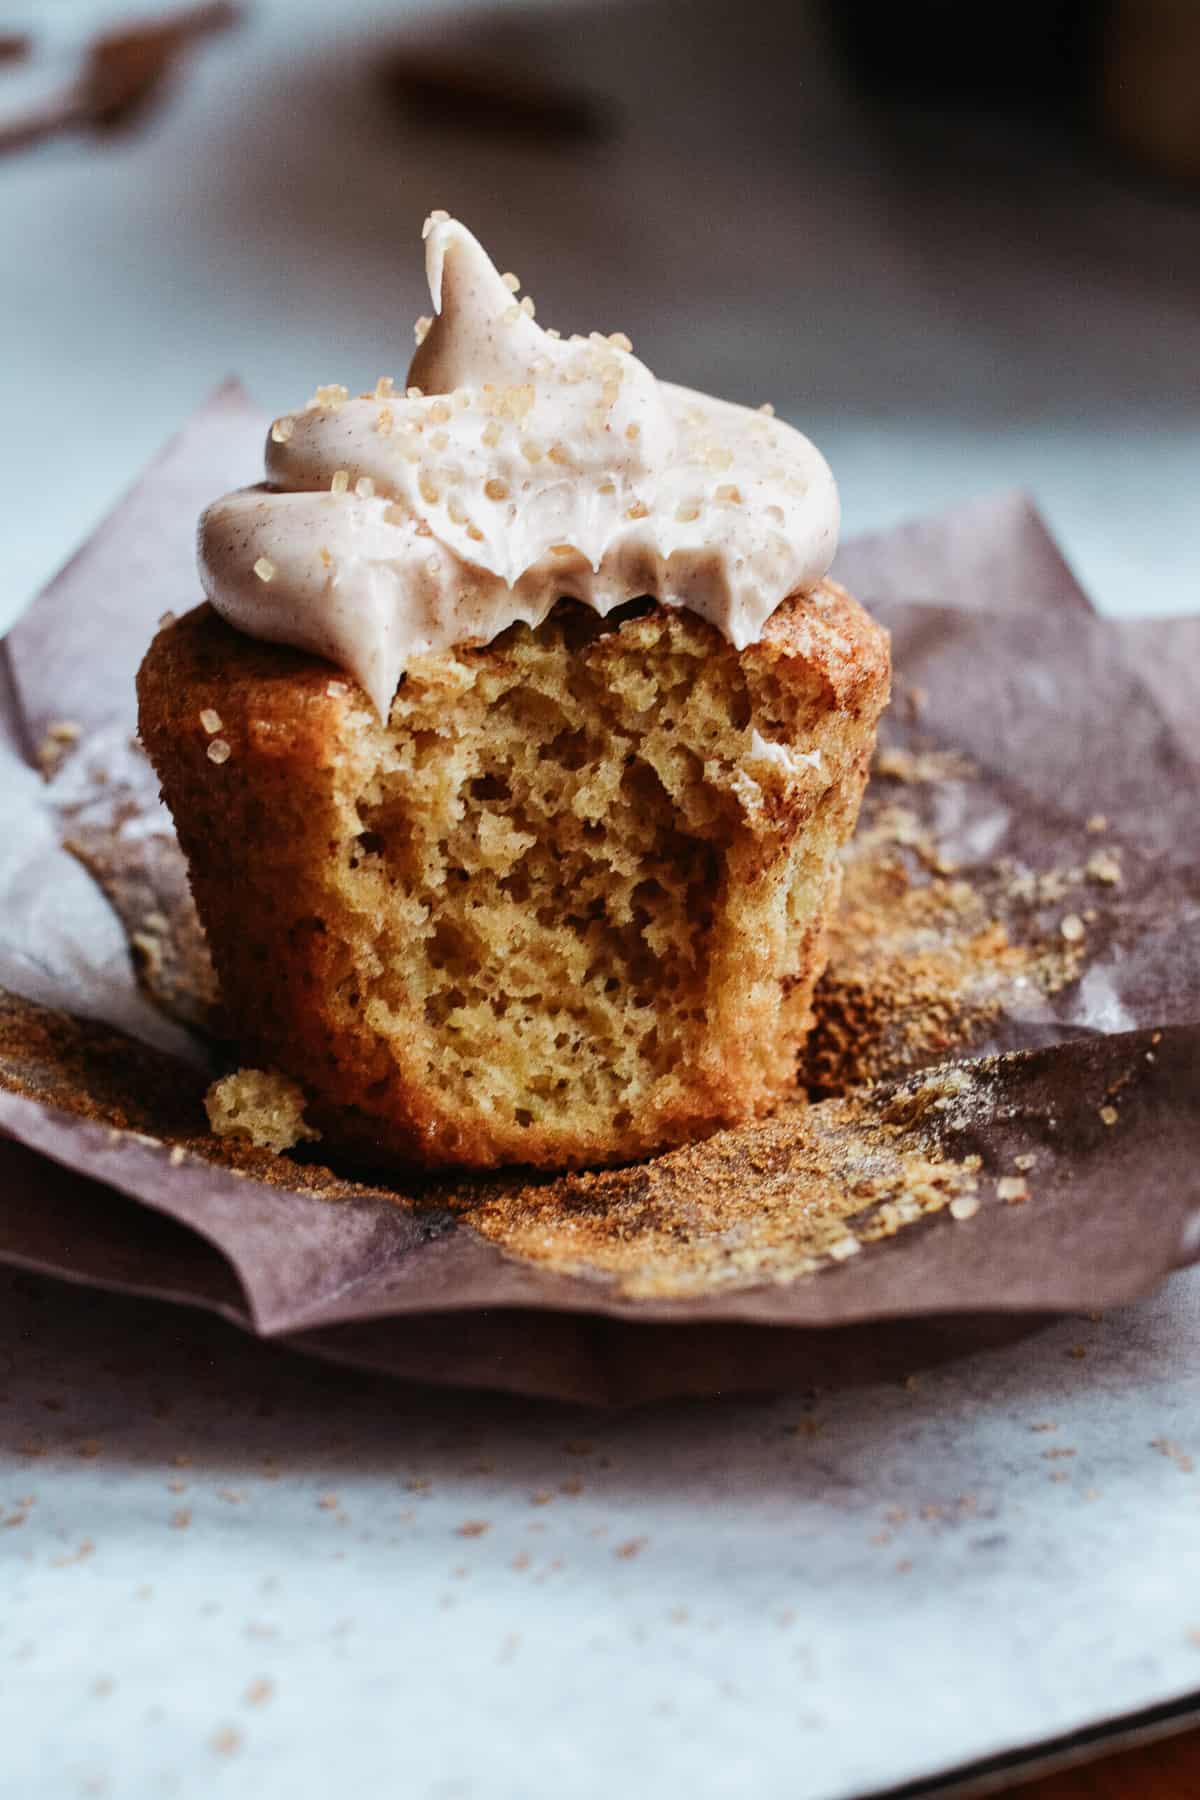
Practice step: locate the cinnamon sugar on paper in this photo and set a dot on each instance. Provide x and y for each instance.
(804, 1190)
(923, 957)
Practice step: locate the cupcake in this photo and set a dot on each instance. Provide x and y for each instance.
(514, 749)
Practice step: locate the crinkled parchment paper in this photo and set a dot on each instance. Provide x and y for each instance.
(1016, 970)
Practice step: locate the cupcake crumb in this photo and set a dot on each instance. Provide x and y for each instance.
(260, 1105)
(60, 737)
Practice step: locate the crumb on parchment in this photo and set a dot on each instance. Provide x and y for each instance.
(61, 737)
(261, 1105)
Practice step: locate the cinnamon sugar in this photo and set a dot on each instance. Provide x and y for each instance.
(770, 1202)
(923, 958)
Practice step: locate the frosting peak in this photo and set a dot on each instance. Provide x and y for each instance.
(518, 468)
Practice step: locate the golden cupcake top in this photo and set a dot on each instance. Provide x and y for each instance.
(517, 467)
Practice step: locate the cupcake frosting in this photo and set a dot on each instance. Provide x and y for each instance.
(516, 468)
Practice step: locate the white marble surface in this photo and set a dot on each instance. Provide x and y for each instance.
(228, 1570)
(808, 1596)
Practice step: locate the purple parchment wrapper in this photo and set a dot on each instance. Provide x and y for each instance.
(1057, 720)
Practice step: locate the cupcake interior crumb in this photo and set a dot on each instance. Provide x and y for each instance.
(569, 839)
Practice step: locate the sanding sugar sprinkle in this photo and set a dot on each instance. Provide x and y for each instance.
(218, 751)
(1104, 868)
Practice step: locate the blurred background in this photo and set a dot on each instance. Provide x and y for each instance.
(958, 246)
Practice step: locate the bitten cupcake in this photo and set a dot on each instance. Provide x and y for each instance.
(514, 750)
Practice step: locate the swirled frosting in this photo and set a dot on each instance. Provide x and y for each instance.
(518, 467)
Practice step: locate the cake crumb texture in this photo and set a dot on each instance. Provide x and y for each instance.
(559, 908)
(260, 1105)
